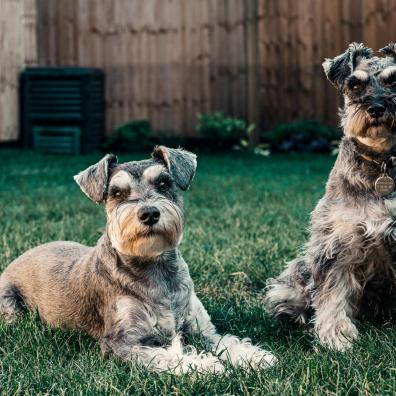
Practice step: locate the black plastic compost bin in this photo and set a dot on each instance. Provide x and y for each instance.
(62, 109)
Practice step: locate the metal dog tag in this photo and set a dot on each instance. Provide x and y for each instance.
(384, 185)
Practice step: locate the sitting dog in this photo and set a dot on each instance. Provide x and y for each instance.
(132, 291)
(348, 268)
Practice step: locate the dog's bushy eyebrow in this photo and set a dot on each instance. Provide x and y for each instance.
(152, 172)
(121, 178)
(388, 73)
(361, 75)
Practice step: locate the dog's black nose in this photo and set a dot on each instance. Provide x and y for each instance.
(376, 110)
(149, 215)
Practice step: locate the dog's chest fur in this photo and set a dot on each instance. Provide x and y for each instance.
(352, 222)
(350, 194)
(158, 291)
(169, 289)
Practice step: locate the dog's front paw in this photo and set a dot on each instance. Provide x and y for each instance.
(338, 336)
(241, 353)
(202, 364)
(177, 359)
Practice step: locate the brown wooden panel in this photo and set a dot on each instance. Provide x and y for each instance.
(167, 60)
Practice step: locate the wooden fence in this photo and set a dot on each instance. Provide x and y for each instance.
(167, 60)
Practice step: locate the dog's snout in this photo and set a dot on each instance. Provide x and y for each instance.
(149, 215)
(376, 110)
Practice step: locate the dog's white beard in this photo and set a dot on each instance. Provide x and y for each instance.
(127, 234)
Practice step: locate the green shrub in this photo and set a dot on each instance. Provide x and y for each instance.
(221, 129)
(307, 129)
(305, 135)
(131, 136)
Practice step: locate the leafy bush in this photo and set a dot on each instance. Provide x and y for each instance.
(221, 130)
(308, 135)
(131, 136)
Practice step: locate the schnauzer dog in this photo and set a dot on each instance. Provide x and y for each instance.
(347, 269)
(132, 291)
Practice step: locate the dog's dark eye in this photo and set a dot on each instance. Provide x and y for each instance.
(356, 85)
(116, 193)
(391, 82)
(163, 183)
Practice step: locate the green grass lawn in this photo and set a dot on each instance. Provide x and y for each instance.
(245, 216)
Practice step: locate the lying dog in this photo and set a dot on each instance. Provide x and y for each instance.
(132, 291)
(348, 267)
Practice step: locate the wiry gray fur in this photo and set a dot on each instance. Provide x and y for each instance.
(347, 270)
(343, 65)
(133, 290)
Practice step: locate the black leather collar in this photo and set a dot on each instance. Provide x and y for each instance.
(366, 153)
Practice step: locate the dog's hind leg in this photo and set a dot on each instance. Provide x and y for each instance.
(285, 296)
(11, 304)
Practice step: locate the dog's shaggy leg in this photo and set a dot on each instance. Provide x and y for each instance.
(10, 301)
(134, 336)
(285, 297)
(173, 358)
(229, 348)
(333, 313)
(176, 359)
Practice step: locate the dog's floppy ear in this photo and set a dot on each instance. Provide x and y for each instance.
(389, 50)
(94, 180)
(340, 67)
(180, 163)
